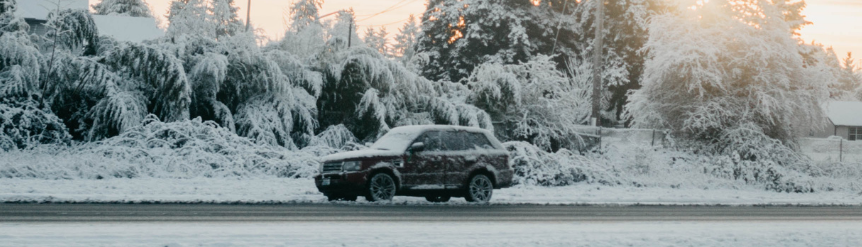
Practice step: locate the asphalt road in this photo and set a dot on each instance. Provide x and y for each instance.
(388, 212)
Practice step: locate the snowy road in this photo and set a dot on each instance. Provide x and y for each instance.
(424, 225)
(359, 212)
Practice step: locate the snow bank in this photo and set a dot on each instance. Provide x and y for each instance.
(634, 164)
(186, 149)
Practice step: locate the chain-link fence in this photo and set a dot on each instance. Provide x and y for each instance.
(832, 149)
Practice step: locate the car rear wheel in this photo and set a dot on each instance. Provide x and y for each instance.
(381, 188)
(479, 189)
(438, 198)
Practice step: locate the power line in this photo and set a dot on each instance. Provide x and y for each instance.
(391, 8)
(387, 24)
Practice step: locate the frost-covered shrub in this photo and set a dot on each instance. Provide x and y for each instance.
(727, 63)
(156, 149)
(534, 166)
(532, 101)
(24, 125)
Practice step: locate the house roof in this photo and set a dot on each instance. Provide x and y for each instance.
(126, 28)
(39, 9)
(844, 113)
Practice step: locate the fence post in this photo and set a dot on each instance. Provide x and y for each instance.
(841, 150)
(653, 138)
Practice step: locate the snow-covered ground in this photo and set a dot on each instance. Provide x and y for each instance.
(277, 190)
(721, 233)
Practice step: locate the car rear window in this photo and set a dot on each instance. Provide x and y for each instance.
(477, 141)
(454, 140)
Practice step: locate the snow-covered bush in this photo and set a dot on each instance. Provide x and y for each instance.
(25, 124)
(723, 64)
(184, 149)
(134, 8)
(534, 166)
(533, 101)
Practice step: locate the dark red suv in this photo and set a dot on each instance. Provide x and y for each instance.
(434, 161)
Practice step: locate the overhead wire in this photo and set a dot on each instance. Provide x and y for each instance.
(395, 6)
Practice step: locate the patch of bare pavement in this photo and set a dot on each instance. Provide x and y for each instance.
(400, 213)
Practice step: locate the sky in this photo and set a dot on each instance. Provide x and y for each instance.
(837, 23)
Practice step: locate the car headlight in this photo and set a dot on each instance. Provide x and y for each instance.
(351, 166)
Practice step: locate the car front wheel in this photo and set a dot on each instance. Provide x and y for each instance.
(479, 189)
(381, 188)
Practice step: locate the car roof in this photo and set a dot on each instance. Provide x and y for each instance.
(422, 128)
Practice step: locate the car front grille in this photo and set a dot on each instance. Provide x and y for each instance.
(331, 167)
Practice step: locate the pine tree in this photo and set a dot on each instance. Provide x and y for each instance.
(405, 41)
(134, 8)
(224, 14)
(376, 39)
(190, 18)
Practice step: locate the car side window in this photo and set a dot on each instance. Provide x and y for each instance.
(431, 139)
(454, 140)
(477, 141)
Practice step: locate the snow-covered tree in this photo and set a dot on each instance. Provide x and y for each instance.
(343, 30)
(224, 16)
(134, 8)
(532, 101)
(25, 119)
(723, 65)
(405, 40)
(73, 30)
(190, 18)
(377, 39)
(305, 36)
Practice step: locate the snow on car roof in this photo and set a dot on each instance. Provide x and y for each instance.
(844, 113)
(420, 128)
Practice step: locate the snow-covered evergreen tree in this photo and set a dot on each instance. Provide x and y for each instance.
(190, 18)
(134, 8)
(305, 36)
(405, 40)
(377, 39)
(25, 119)
(533, 101)
(724, 65)
(224, 15)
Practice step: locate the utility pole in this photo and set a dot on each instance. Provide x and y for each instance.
(350, 32)
(248, 17)
(597, 63)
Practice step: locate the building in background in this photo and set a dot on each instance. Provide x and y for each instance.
(121, 28)
(844, 120)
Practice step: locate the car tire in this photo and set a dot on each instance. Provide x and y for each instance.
(479, 189)
(438, 198)
(381, 187)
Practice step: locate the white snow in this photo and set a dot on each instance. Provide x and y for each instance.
(844, 113)
(595, 233)
(39, 9)
(126, 28)
(281, 190)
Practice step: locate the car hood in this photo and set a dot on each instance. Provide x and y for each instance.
(360, 154)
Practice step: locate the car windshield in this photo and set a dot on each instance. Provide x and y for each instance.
(396, 140)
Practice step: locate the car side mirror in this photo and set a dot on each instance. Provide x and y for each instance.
(417, 147)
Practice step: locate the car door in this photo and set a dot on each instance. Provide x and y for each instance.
(458, 159)
(425, 169)
(474, 148)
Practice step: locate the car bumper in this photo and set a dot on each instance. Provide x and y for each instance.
(505, 179)
(343, 183)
